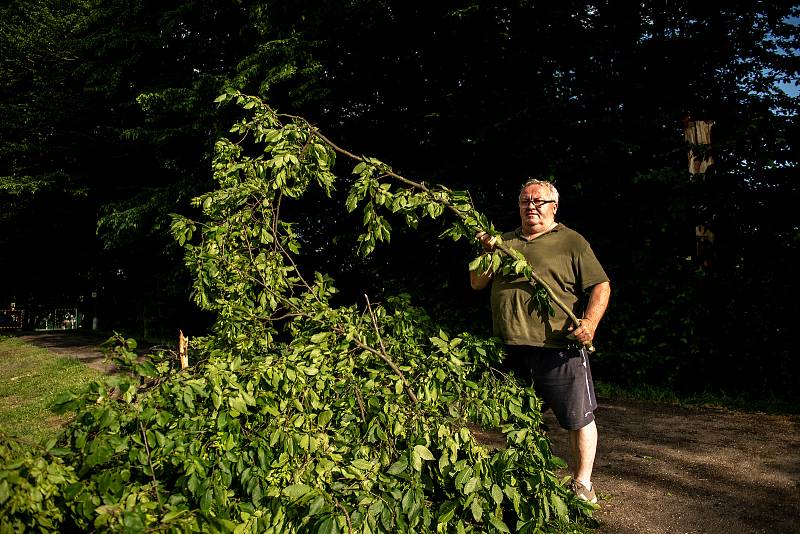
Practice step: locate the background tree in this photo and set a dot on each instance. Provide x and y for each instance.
(108, 129)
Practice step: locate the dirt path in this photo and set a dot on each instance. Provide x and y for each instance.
(660, 468)
(83, 346)
(669, 469)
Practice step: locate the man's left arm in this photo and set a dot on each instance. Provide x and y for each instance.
(598, 302)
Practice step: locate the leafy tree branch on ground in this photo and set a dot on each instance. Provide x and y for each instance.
(298, 415)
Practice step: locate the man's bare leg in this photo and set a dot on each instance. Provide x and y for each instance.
(582, 448)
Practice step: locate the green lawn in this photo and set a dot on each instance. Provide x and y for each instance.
(30, 380)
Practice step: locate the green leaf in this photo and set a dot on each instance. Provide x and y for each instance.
(328, 526)
(145, 368)
(475, 264)
(423, 452)
(471, 485)
(352, 202)
(498, 524)
(416, 461)
(363, 465)
(477, 510)
(497, 494)
(431, 208)
(65, 401)
(512, 493)
(408, 501)
(496, 259)
(317, 506)
(560, 506)
(398, 467)
(133, 522)
(320, 337)
(324, 417)
(206, 499)
(238, 405)
(295, 491)
(446, 512)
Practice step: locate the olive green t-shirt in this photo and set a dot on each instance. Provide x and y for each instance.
(564, 259)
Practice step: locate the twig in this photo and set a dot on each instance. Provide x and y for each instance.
(150, 463)
(385, 356)
(275, 215)
(346, 516)
(360, 403)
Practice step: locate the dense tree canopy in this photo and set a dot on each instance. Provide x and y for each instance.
(107, 125)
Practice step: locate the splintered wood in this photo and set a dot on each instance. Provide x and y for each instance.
(183, 350)
(698, 135)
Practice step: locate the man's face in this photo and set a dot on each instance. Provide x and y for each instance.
(536, 218)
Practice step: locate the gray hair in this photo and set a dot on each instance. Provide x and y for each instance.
(542, 183)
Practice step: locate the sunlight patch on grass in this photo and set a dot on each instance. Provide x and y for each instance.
(30, 380)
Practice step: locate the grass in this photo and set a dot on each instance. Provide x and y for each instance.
(30, 380)
(767, 404)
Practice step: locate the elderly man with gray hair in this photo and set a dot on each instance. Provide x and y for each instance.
(540, 347)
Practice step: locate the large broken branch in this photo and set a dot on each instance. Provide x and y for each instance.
(439, 198)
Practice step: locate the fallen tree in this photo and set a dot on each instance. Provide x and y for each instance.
(298, 415)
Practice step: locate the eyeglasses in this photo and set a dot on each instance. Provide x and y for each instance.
(538, 202)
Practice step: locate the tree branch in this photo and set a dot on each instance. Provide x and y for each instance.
(505, 249)
(385, 356)
(150, 463)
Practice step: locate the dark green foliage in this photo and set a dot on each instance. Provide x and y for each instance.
(105, 128)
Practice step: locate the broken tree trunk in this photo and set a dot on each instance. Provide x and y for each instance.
(698, 135)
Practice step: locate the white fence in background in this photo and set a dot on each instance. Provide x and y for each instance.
(44, 319)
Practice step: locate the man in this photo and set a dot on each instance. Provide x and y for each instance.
(539, 346)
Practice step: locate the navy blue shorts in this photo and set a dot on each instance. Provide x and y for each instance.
(561, 377)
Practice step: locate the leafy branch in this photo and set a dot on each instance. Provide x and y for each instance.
(383, 354)
(430, 201)
(297, 415)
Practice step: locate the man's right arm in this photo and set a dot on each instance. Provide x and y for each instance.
(479, 280)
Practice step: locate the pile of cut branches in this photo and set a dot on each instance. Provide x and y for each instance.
(297, 415)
